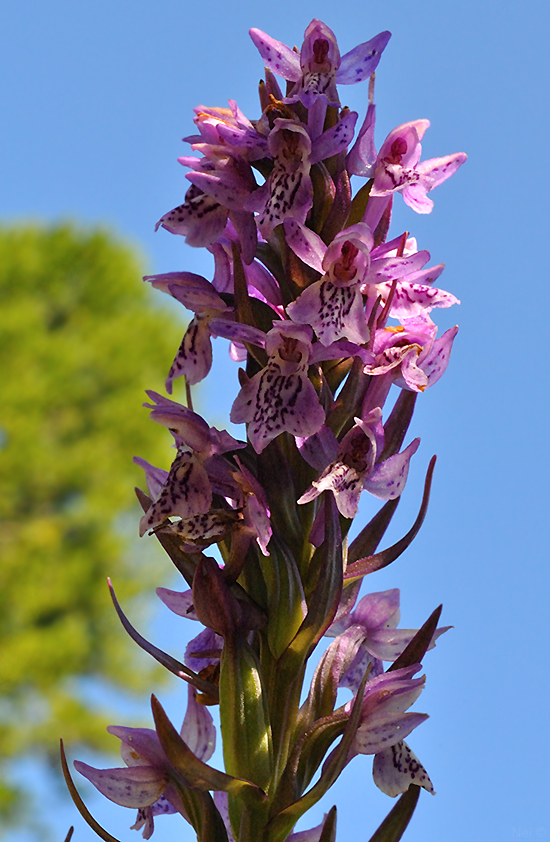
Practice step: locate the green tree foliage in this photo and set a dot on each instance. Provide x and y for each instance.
(79, 342)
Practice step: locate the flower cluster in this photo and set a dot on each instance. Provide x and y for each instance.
(326, 314)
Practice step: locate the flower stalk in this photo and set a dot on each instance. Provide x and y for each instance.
(331, 322)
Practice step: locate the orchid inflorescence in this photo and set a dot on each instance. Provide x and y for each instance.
(325, 313)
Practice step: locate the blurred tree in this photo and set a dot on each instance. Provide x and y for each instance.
(79, 342)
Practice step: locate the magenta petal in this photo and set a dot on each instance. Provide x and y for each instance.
(435, 171)
(306, 244)
(411, 300)
(197, 297)
(380, 733)
(228, 190)
(362, 155)
(360, 62)
(311, 835)
(201, 220)
(135, 786)
(320, 449)
(199, 652)
(396, 768)
(388, 479)
(388, 644)
(435, 364)
(334, 140)
(180, 603)
(414, 195)
(375, 609)
(277, 56)
(155, 477)
(237, 332)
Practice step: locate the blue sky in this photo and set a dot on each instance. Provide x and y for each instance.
(95, 100)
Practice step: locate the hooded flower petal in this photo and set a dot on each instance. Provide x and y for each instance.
(288, 188)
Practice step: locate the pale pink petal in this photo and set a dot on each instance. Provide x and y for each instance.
(388, 479)
(396, 768)
(198, 729)
(137, 786)
(306, 244)
(360, 62)
(277, 56)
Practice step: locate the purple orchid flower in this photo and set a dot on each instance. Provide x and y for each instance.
(384, 724)
(280, 397)
(288, 191)
(220, 185)
(194, 357)
(145, 782)
(319, 68)
(384, 721)
(410, 355)
(186, 491)
(413, 293)
(333, 305)
(354, 467)
(200, 219)
(398, 168)
(377, 614)
(228, 128)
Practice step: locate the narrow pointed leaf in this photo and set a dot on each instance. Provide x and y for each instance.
(195, 772)
(79, 803)
(416, 649)
(371, 535)
(335, 763)
(163, 658)
(326, 565)
(395, 823)
(376, 562)
(328, 833)
(286, 605)
(359, 203)
(395, 428)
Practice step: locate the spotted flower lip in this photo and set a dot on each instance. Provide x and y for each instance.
(333, 305)
(280, 397)
(355, 468)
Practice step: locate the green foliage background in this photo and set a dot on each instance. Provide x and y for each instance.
(80, 340)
